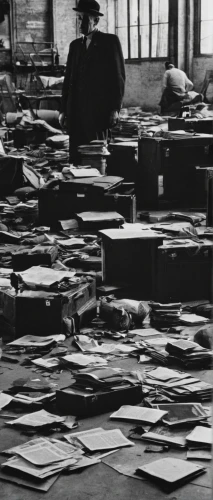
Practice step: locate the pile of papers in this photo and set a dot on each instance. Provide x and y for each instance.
(104, 379)
(35, 462)
(190, 354)
(164, 315)
(59, 142)
(94, 154)
(175, 386)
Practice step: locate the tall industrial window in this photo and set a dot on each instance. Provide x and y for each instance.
(204, 27)
(143, 28)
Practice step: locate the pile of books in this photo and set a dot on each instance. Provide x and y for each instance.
(94, 154)
(164, 315)
(188, 353)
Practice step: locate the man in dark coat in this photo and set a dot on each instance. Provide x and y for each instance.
(94, 81)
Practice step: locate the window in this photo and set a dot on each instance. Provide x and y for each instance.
(204, 27)
(143, 28)
(5, 42)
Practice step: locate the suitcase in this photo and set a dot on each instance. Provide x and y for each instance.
(55, 205)
(129, 258)
(123, 160)
(201, 126)
(75, 401)
(184, 272)
(40, 255)
(175, 160)
(44, 313)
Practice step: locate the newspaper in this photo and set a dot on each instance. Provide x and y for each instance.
(45, 453)
(138, 414)
(105, 440)
(37, 419)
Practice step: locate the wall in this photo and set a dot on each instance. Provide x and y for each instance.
(143, 84)
(200, 65)
(65, 27)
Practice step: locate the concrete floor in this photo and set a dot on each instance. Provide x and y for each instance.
(99, 482)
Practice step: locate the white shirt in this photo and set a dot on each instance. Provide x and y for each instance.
(176, 80)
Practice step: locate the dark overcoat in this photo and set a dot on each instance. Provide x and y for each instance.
(102, 81)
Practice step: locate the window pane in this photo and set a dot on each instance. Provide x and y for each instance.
(206, 37)
(122, 13)
(206, 10)
(123, 36)
(5, 32)
(160, 11)
(144, 12)
(144, 33)
(134, 42)
(133, 7)
(159, 40)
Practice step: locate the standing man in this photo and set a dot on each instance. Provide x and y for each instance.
(94, 81)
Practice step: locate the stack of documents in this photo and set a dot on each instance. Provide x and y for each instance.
(59, 142)
(104, 379)
(36, 461)
(188, 353)
(164, 315)
(175, 385)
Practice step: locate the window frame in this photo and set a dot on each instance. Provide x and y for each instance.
(197, 31)
(131, 60)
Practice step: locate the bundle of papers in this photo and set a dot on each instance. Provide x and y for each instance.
(43, 277)
(163, 315)
(138, 414)
(28, 209)
(170, 473)
(200, 437)
(175, 385)
(59, 141)
(94, 148)
(37, 419)
(105, 378)
(189, 353)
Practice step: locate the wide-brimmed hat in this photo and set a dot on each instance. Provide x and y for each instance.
(89, 6)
